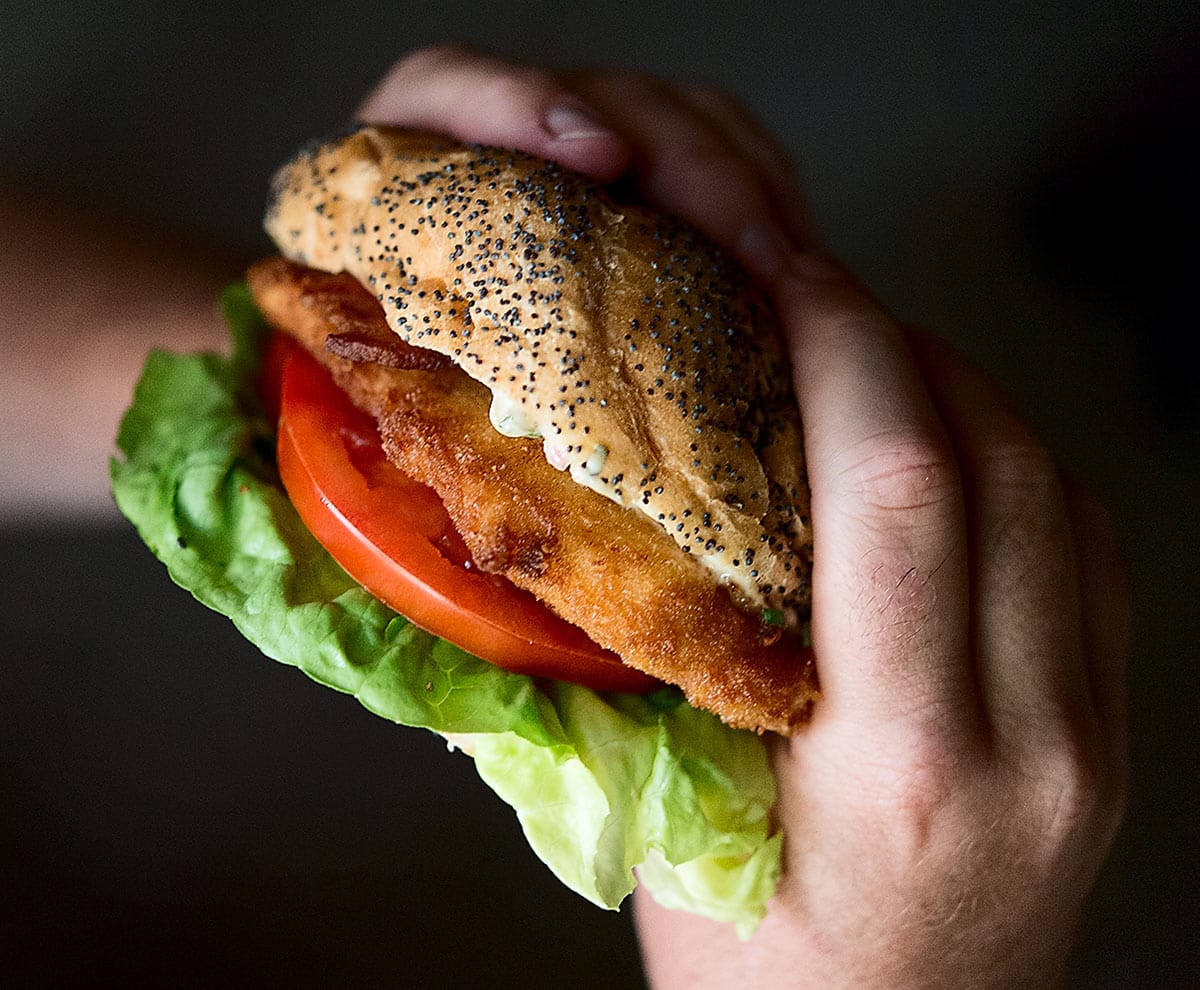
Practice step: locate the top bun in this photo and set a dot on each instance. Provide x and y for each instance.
(621, 336)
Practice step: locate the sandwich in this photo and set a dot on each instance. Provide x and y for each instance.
(512, 458)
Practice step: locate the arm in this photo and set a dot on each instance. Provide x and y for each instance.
(82, 299)
(950, 805)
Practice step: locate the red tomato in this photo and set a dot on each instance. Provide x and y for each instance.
(394, 537)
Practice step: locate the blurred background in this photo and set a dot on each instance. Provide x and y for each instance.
(1021, 178)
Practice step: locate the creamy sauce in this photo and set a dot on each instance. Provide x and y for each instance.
(510, 420)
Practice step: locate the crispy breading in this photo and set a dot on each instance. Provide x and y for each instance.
(608, 570)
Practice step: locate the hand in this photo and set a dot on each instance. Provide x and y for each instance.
(948, 808)
(694, 151)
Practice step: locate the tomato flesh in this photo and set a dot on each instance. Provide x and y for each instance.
(394, 536)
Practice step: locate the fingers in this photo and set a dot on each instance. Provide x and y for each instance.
(746, 135)
(893, 612)
(890, 604)
(484, 100)
(694, 165)
(696, 152)
(1028, 634)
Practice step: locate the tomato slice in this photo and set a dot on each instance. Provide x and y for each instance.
(394, 536)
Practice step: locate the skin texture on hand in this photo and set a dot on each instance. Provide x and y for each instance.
(948, 808)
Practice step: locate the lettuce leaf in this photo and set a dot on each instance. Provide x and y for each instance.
(601, 784)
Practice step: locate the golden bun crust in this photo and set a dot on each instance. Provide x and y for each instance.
(619, 335)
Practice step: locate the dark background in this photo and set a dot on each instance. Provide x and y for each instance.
(1023, 182)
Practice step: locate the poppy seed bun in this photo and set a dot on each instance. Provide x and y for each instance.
(620, 336)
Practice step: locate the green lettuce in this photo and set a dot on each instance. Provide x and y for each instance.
(601, 784)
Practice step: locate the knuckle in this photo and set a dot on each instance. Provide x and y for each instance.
(1078, 793)
(1091, 805)
(901, 491)
(901, 471)
(910, 793)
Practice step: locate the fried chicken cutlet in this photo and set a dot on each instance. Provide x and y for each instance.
(611, 571)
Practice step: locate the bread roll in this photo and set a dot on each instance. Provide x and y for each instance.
(620, 336)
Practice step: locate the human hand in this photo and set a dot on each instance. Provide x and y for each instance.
(962, 779)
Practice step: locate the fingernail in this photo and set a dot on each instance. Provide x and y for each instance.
(572, 122)
(763, 250)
